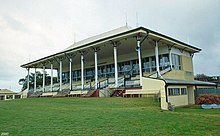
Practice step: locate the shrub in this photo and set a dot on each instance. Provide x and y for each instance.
(208, 99)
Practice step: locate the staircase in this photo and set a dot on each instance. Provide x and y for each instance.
(89, 94)
(118, 93)
(106, 92)
(162, 72)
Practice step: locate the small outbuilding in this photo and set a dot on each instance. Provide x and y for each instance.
(6, 94)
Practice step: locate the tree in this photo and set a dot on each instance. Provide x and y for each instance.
(202, 77)
(39, 80)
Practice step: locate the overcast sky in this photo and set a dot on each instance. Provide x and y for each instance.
(32, 29)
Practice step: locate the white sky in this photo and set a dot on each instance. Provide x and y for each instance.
(36, 28)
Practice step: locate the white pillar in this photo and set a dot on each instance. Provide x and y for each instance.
(61, 75)
(13, 96)
(116, 66)
(44, 78)
(35, 80)
(157, 59)
(51, 79)
(82, 71)
(96, 70)
(70, 74)
(5, 97)
(170, 58)
(139, 60)
(28, 79)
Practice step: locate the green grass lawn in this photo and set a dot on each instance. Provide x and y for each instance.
(103, 116)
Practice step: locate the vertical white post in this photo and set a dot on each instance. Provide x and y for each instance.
(44, 78)
(28, 79)
(82, 71)
(170, 58)
(51, 79)
(157, 59)
(35, 80)
(70, 74)
(116, 66)
(5, 97)
(96, 70)
(61, 75)
(139, 60)
(13, 96)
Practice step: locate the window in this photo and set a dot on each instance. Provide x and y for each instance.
(176, 61)
(173, 91)
(183, 91)
(146, 66)
(135, 67)
(164, 61)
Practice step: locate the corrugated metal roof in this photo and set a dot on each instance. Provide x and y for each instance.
(108, 35)
(99, 37)
(188, 82)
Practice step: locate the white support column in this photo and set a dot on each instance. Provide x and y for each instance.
(5, 97)
(116, 66)
(96, 69)
(51, 79)
(70, 74)
(157, 59)
(28, 79)
(82, 71)
(44, 78)
(139, 59)
(13, 96)
(61, 75)
(170, 58)
(35, 80)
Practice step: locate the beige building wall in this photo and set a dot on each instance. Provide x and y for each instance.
(179, 100)
(186, 72)
(205, 87)
(151, 85)
(24, 93)
(191, 94)
(187, 64)
(175, 74)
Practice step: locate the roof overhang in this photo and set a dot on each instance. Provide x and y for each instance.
(141, 31)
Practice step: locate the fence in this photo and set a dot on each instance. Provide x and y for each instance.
(215, 91)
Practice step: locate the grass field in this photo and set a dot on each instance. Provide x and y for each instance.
(103, 116)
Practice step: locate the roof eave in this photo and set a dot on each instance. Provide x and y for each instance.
(113, 37)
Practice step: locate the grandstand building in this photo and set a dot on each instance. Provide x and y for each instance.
(123, 62)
